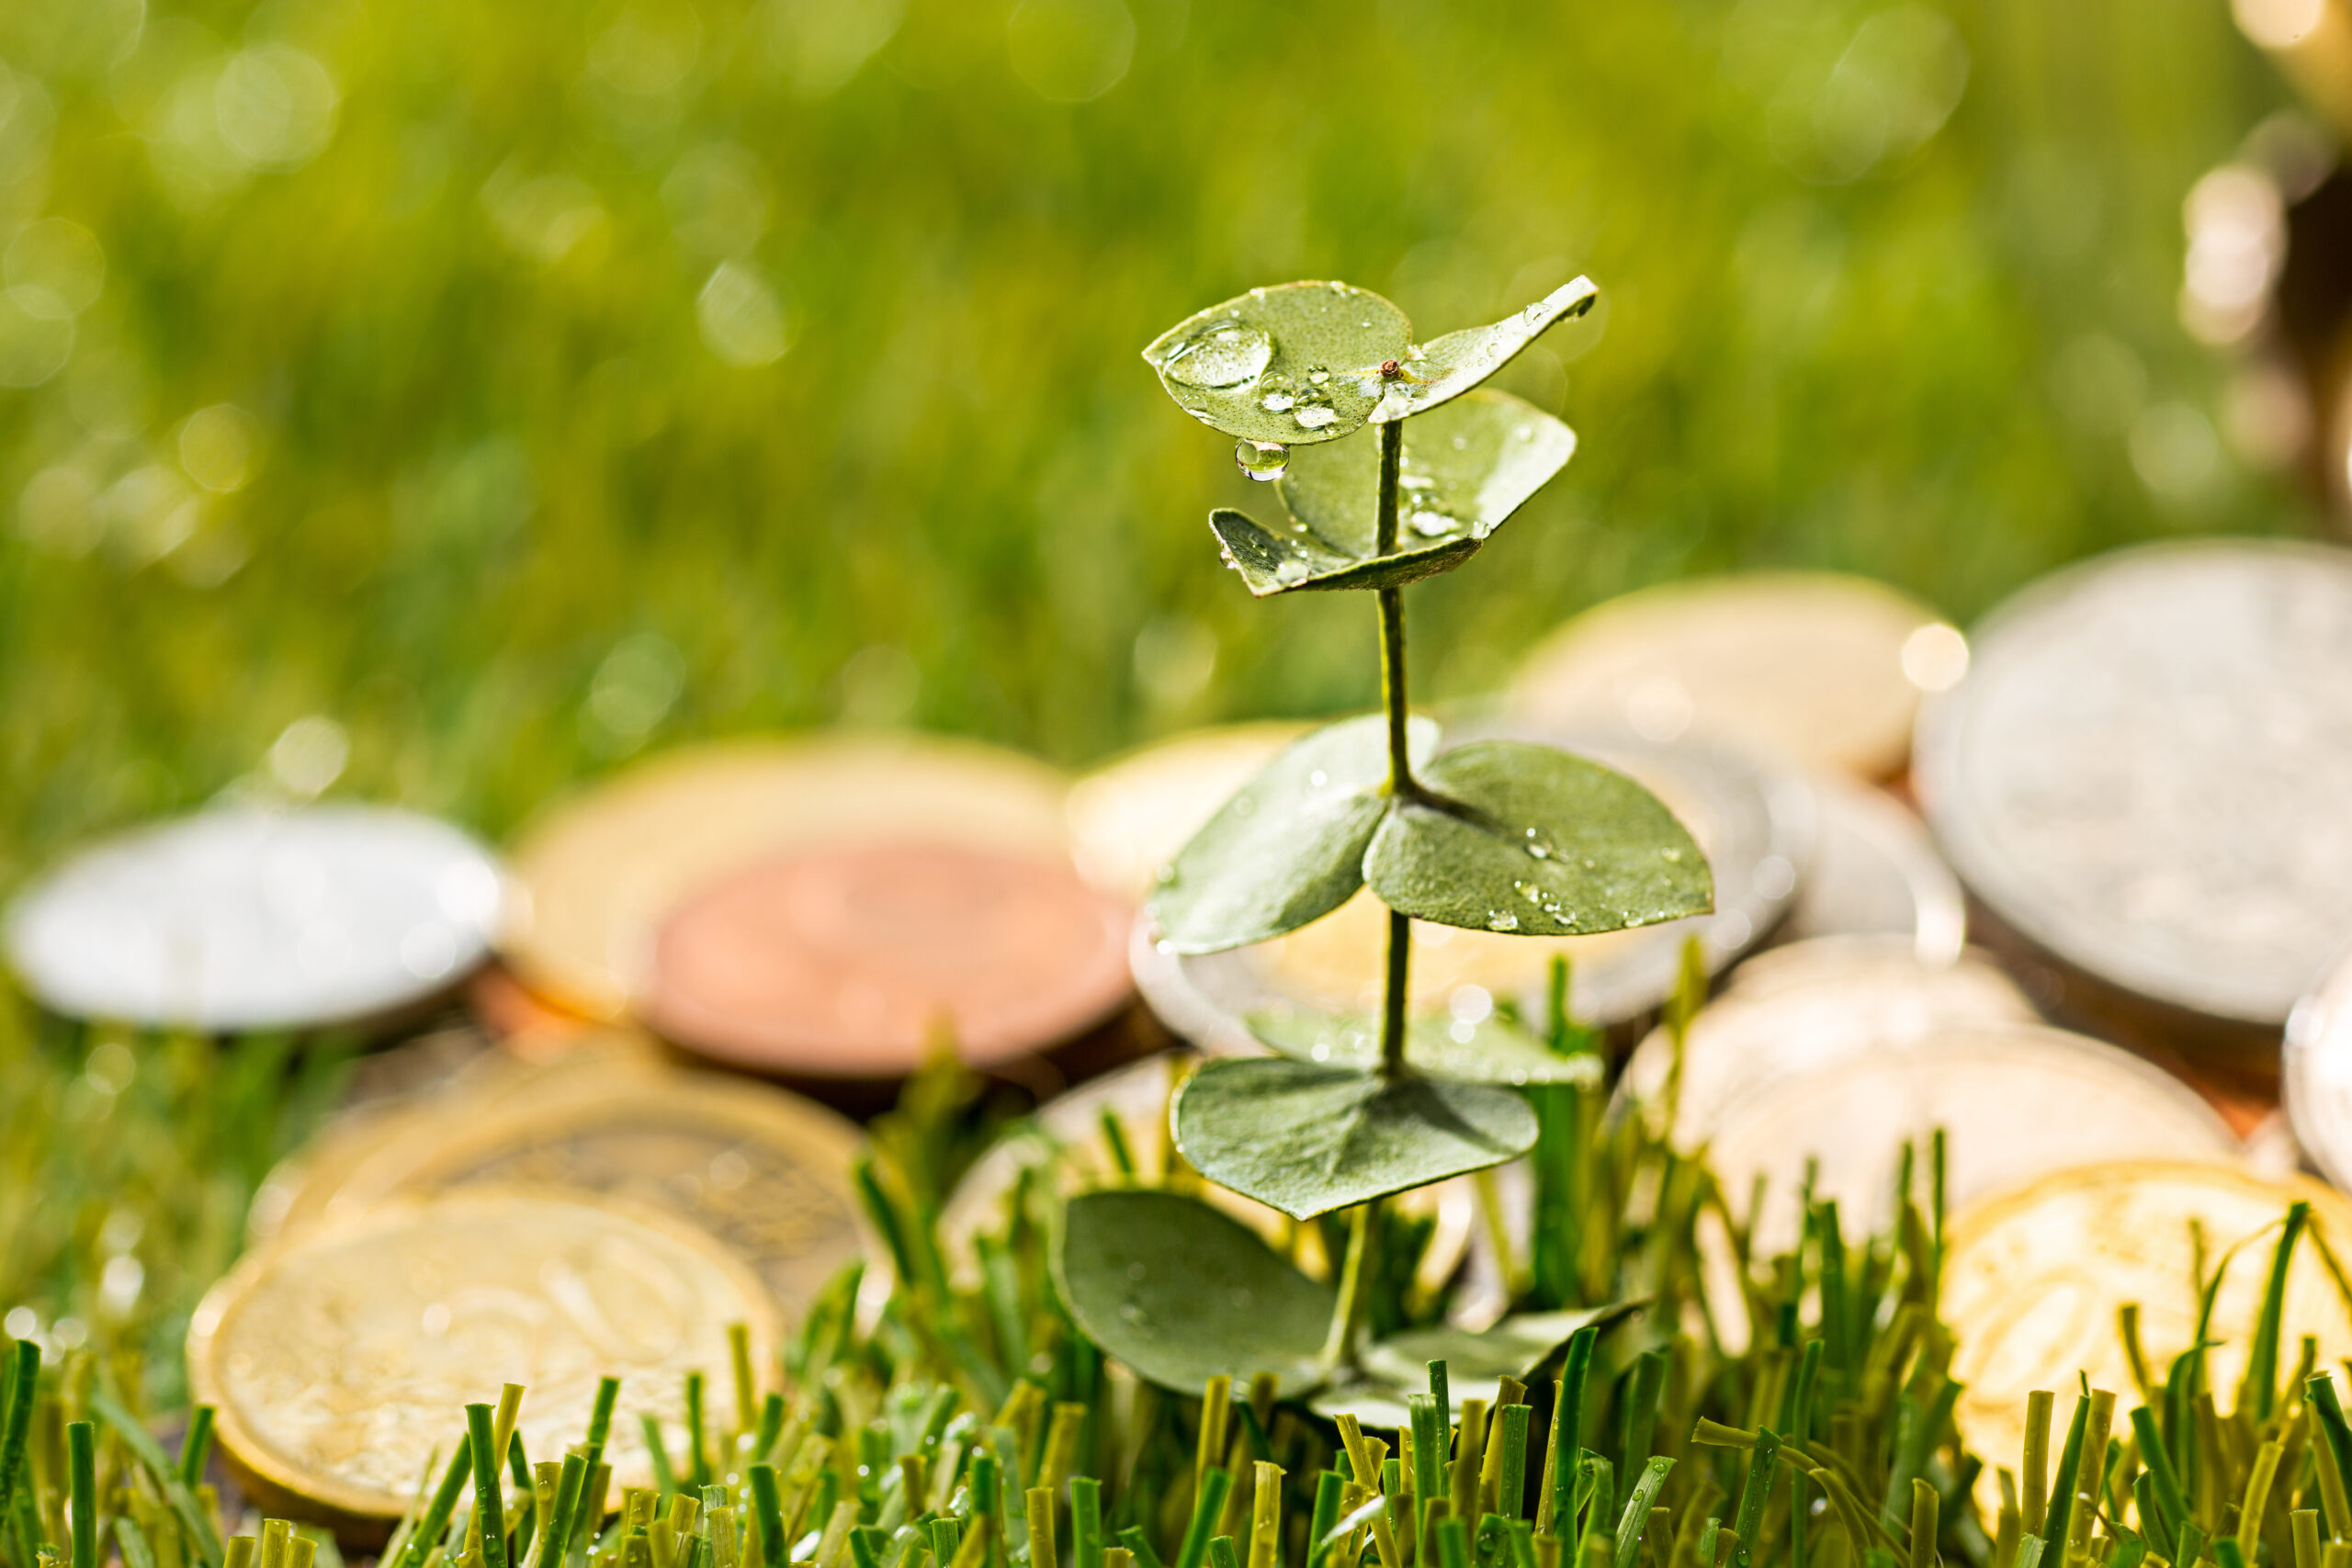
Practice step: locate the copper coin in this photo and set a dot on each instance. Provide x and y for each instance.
(854, 963)
(600, 871)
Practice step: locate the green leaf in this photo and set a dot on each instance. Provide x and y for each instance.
(1180, 1293)
(1528, 840)
(1439, 371)
(1294, 364)
(1465, 469)
(1289, 846)
(1496, 1050)
(1476, 1362)
(1308, 1139)
(1278, 563)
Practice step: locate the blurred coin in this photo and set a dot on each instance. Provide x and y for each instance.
(854, 963)
(242, 918)
(1819, 669)
(764, 1171)
(2037, 1276)
(2145, 771)
(2316, 1082)
(1874, 869)
(1066, 1136)
(425, 1090)
(1756, 824)
(341, 1361)
(2015, 1101)
(1129, 818)
(1812, 1005)
(604, 869)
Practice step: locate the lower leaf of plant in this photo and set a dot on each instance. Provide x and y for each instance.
(1493, 1050)
(1182, 1292)
(1476, 1362)
(1309, 1139)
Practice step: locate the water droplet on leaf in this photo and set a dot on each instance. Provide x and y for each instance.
(1219, 358)
(1432, 524)
(1314, 416)
(1277, 403)
(1502, 920)
(1291, 571)
(1260, 460)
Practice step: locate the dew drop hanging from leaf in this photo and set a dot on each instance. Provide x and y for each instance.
(1262, 461)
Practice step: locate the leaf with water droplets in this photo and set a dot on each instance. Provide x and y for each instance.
(1476, 1362)
(1309, 1139)
(1180, 1293)
(1443, 370)
(1491, 1050)
(1272, 562)
(1296, 364)
(1466, 468)
(1528, 840)
(1288, 847)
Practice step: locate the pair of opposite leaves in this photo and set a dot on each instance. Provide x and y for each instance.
(1306, 364)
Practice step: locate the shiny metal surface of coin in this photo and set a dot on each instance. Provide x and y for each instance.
(1066, 1133)
(242, 918)
(341, 1361)
(1874, 869)
(2015, 1101)
(2036, 1276)
(1807, 1007)
(1756, 824)
(604, 869)
(849, 964)
(763, 1171)
(2316, 1080)
(1129, 818)
(2145, 771)
(1819, 669)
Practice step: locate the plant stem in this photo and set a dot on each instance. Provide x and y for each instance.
(1400, 766)
(1340, 1345)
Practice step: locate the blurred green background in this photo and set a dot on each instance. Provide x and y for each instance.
(519, 388)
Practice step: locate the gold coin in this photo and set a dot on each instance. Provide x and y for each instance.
(1130, 816)
(1818, 668)
(342, 1363)
(420, 1089)
(763, 1171)
(600, 871)
(2032, 1282)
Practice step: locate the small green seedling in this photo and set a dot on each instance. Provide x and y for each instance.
(1497, 836)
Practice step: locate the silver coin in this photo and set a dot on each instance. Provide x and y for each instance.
(2145, 770)
(241, 918)
(1755, 822)
(1874, 870)
(2315, 1079)
(2016, 1103)
(1799, 1009)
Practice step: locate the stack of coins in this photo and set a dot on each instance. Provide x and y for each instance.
(830, 910)
(2142, 780)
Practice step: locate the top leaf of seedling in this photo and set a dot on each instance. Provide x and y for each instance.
(1292, 364)
(1438, 372)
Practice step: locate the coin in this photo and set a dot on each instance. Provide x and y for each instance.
(1129, 818)
(341, 1362)
(1821, 670)
(763, 1171)
(603, 870)
(850, 963)
(1809, 1006)
(2037, 1276)
(1755, 823)
(1066, 1134)
(2317, 1080)
(2144, 771)
(1874, 869)
(241, 918)
(2016, 1103)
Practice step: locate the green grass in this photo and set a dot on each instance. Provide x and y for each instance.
(492, 443)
